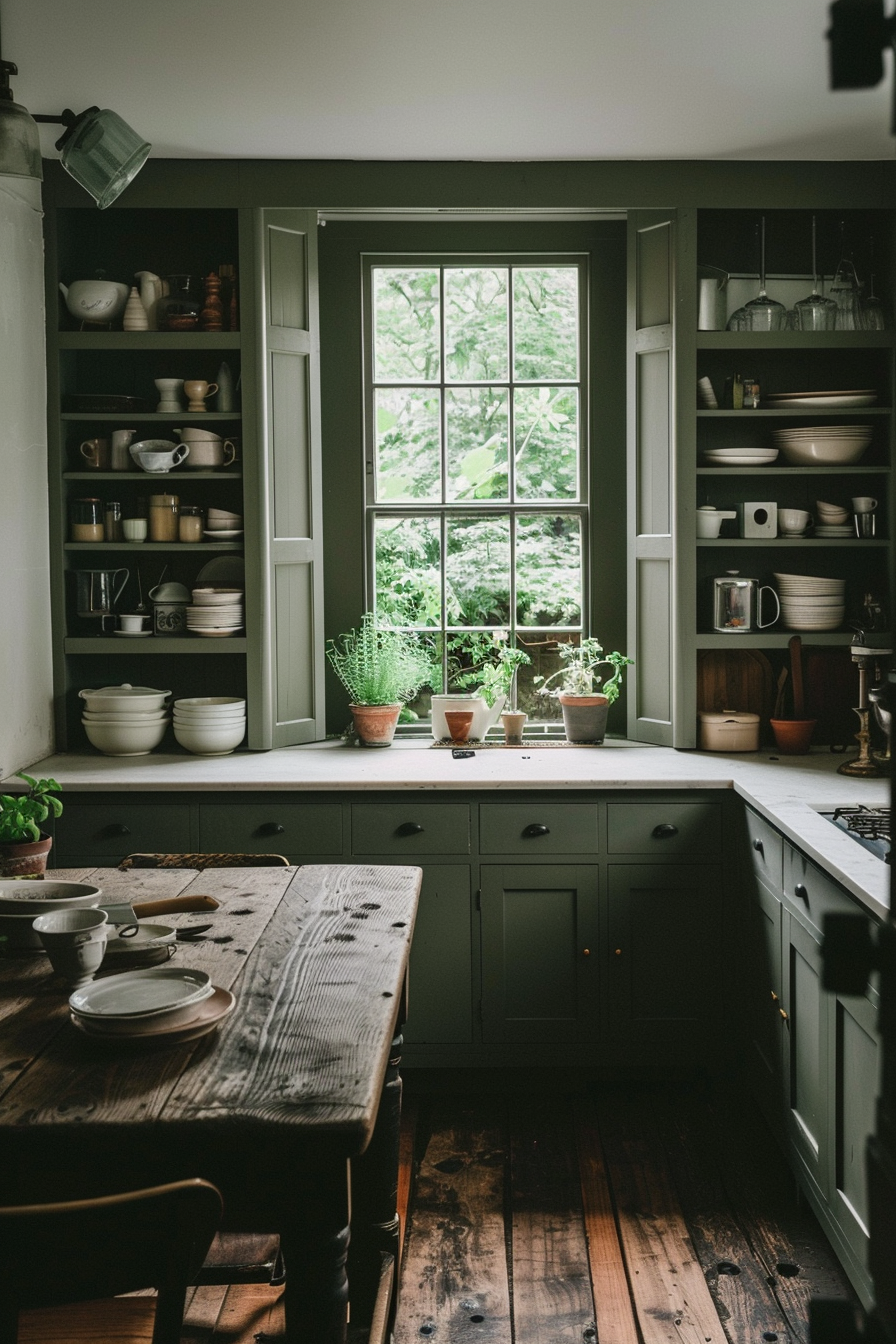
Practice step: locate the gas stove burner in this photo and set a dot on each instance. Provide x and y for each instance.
(870, 826)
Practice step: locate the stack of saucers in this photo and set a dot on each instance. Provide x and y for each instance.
(155, 1004)
(809, 603)
(210, 725)
(216, 612)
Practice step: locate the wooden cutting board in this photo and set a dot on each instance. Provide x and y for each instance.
(832, 689)
(736, 679)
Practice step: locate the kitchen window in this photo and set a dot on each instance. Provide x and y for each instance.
(476, 400)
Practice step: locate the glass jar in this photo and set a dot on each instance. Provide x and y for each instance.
(163, 517)
(179, 309)
(87, 520)
(112, 527)
(190, 523)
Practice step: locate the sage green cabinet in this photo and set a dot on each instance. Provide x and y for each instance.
(440, 1006)
(664, 829)
(408, 828)
(541, 954)
(295, 827)
(807, 1064)
(537, 827)
(665, 985)
(103, 833)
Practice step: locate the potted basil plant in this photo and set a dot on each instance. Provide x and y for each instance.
(24, 848)
(382, 668)
(585, 705)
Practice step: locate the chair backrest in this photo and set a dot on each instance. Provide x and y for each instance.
(91, 1248)
(204, 861)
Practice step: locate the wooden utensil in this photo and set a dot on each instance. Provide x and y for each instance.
(779, 698)
(796, 672)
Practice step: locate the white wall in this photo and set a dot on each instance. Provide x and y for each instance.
(26, 715)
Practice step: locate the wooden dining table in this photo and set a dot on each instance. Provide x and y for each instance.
(290, 1106)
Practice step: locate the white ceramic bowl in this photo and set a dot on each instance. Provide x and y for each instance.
(824, 452)
(126, 697)
(39, 898)
(126, 714)
(223, 524)
(211, 704)
(222, 514)
(125, 739)
(217, 597)
(193, 435)
(208, 739)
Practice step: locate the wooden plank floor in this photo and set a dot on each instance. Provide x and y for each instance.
(622, 1215)
(551, 1212)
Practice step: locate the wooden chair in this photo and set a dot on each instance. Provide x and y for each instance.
(201, 861)
(57, 1254)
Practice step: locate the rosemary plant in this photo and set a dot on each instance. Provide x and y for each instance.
(377, 664)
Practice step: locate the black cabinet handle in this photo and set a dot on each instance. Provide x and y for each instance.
(116, 828)
(801, 893)
(758, 846)
(271, 828)
(536, 829)
(410, 828)
(664, 831)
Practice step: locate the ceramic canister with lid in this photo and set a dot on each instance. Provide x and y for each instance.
(163, 511)
(728, 730)
(169, 608)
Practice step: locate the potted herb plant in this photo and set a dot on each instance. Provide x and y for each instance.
(382, 668)
(24, 848)
(585, 705)
(492, 679)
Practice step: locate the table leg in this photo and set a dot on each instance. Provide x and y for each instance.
(375, 1225)
(315, 1246)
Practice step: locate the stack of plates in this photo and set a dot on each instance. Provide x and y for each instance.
(818, 401)
(740, 457)
(809, 603)
(216, 612)
(823, 445)
(833, 530)
(158, 1003)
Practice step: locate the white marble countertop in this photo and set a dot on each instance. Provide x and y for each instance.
(786, 790)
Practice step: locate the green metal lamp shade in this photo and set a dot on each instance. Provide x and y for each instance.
(104, 154)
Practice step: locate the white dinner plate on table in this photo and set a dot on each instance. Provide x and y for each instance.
(209, 1014)
(155, 991)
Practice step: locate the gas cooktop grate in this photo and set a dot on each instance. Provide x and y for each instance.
(869, 825)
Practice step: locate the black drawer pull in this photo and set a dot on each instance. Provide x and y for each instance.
(536, 829)
(759, 847)
(271, 828)
(116, 828)
(665, 831)
(801, 893)
(410, 828)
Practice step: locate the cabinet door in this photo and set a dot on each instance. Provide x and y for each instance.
(540, 963)
(286, 658)
(440, 1004)
(855, 1046)
(806, 1048)
(664, 953)
(764, 999)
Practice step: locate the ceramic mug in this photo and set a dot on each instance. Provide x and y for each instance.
(208, 453)
(132, 622)
(119, 457)
(793, 521)
(197, 389)
(863, 504)
(170, 392)
(95, 453)
(75, 942)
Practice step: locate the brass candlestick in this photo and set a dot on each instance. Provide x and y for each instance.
(864, 766)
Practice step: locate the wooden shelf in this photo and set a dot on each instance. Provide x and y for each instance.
(148, 478)
(773, 470)
(772, 639)
(155, 645)
(148, 340)
(796, 340)
(794, 543)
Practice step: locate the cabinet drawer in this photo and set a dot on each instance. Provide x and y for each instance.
(766, 849)
(403, 829)
(810, 893)
(116, 830)
(538, 828)
(664, 829)
(295, 829)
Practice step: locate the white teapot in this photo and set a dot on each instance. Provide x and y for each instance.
(98, 300)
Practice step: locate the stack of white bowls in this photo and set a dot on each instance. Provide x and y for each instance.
(809, 603)
(823, 445)
(833, 520)
(210, 725)
(222, 525)
(125, 720)
(216, 612)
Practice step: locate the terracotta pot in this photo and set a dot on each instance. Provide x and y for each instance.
(585, 717)
(459, 723)
(793, 736)
(375, 724)
(27, 859)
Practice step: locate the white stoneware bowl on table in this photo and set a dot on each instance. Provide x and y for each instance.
(21, 903)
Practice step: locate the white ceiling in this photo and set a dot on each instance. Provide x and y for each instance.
(459, 79)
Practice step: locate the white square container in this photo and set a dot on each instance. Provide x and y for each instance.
(728, 730)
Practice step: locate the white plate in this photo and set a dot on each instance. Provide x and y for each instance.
(209, 1013)
(137, 993)
(222, 535)
(740, 460)
(132, 634)
(824, 400)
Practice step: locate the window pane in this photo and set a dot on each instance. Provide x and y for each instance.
(406, 324)
(408, 575)
(407, 445)
(546, 430)
(478, 571)
(477, 432)
(549, 570)
(475, 324)
(545, 322)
